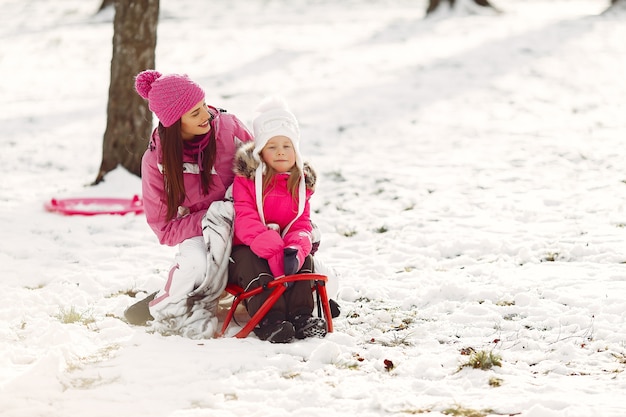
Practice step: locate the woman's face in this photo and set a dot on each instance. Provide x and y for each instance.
(195, 122)
(279, 154)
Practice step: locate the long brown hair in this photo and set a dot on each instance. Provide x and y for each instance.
(172, 157)
(292, 183)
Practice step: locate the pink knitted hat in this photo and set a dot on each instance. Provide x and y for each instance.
(169, 96)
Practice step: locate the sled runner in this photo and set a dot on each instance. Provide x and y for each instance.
(277, 288)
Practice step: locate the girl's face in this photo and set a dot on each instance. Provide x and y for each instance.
(279, 154)
(195, 122)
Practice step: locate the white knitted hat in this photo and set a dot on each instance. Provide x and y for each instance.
(274, 119)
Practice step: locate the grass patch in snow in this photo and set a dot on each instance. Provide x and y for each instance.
(483, 360)
(71, 315)
(458, 410)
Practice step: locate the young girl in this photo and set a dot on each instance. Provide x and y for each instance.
(271, 191)
(186, 169)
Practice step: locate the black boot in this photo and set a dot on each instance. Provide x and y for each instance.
(309, 326)
(275, 331)
(335, 310)
(139, 313)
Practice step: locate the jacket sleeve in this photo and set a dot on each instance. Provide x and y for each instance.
(249, 228)
(299, 234)
(241, 132)
(171, 232)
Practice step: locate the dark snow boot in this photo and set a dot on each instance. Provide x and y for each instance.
(335, 310)
(309, 326)
(139, 313)
(275, 331)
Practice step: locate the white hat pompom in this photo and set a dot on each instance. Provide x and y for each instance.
(272, 103)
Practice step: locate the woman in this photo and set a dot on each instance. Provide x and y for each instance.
(186, 169)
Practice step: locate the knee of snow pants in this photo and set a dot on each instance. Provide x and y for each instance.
(187, 272)
(249, 271)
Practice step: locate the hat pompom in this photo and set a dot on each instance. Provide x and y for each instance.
(272, 103)
(144, 80)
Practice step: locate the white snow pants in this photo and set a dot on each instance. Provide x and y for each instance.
(186, 274)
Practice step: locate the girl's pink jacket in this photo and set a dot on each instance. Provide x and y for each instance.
(279, 207)
(230, 132)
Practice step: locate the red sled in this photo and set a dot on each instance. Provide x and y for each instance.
(90, 206)
(277, 287)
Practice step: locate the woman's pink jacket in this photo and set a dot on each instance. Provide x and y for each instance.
(230, 132)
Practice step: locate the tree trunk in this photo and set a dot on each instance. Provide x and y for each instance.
(616, 6)
(105, 4)
(129, 120)
(434, 4)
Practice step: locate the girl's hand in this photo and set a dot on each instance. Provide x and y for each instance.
(291, 261)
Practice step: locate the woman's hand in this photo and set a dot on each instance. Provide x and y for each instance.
(183, 211)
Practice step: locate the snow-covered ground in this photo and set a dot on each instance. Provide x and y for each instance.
(471, 194)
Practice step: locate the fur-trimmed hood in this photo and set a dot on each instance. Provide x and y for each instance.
(246, 165)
